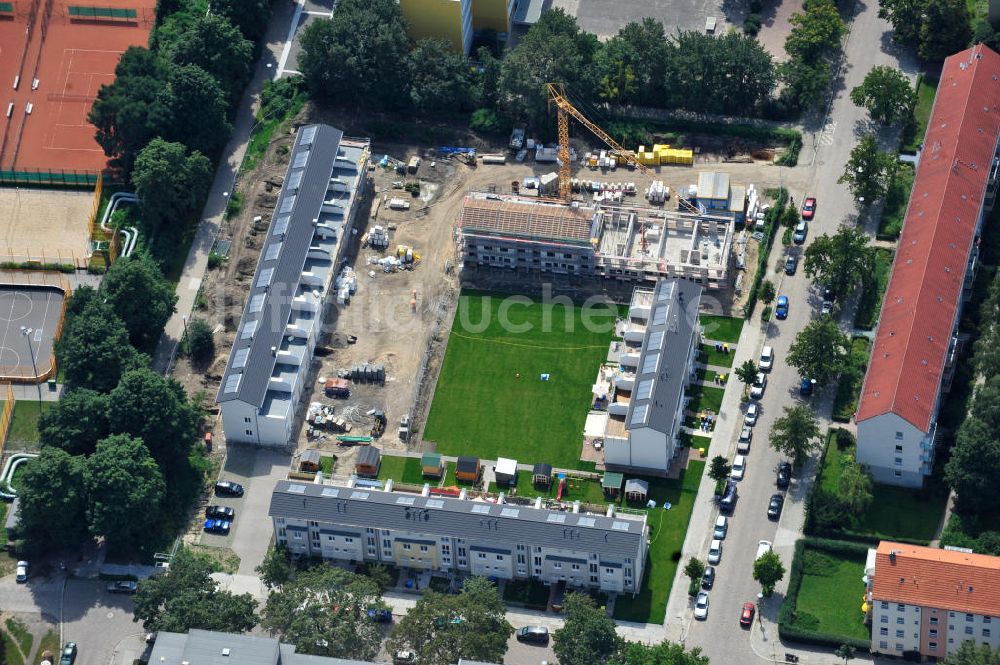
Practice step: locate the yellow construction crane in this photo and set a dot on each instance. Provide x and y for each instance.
(557, 96)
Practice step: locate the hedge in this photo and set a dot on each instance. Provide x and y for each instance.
(786, 615)
(772, 220)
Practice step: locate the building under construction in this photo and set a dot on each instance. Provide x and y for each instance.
(614, 241)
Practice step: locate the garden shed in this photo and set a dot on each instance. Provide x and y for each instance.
(541, 474)
(309, 461)
(636, 490)
(467, 469)
(431, 465)
(368, 462)
(612, 483)
(506, 471)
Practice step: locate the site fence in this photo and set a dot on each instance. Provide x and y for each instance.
(98, 14)
(49, 178)
(6, 415)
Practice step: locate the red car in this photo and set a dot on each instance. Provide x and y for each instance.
(809, 208)
(746, 618)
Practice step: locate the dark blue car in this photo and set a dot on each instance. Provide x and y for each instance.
(781, 308)
(218, 526)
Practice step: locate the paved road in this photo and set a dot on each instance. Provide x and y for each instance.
(826, 152)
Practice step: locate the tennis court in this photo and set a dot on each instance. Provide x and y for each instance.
(30, 319)
(63, 51)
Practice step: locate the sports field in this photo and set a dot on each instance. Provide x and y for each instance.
(481, 406)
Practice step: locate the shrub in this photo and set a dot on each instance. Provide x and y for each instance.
(200, 341)
(786, 237)
(791, 155)
(751, 25)
(765, 315)
(487, 121)
(215, 260)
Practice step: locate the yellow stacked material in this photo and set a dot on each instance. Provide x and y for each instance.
(662, 153)
(677, 156)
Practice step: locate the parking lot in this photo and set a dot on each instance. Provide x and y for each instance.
(605, 18)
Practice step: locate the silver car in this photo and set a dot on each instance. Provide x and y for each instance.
(701, 606)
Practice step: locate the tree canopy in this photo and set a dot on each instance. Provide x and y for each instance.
(187, 597)
(768, 571)
(432, 631)
(841, 262)
(439, 77)
(141, 297)
(250, 16)
(53, 500)
(76, 422)
(820, 351)
(323, 611)
(219, 48)
(796, 433)
(970, 653)
(869, 171)
(198, 109)
(664, 653)
(938, 28)
(588, 636)
(632, 65)
(94, 350)
(887, 95)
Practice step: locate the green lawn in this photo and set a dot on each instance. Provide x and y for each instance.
(50, 642)
(705, 397)
(894, 211)
(721, 328)
(24, 422)
(921, 113)
(870, 303)
(705, 374)
(403, 470)
(895, 512)
(667, 530)
(489, 399)
(20, 633)
(710, 356)
(845, 402)
(326, 464)
(830, 597)
(527, 592)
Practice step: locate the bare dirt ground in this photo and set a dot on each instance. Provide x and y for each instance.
(44, 223)
(409, 339)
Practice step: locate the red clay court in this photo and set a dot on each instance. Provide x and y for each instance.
(71, 50)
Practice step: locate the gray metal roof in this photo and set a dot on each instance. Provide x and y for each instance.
(367, 455)
(208, 647)
(279, 268)
(662, 370)
(527, 12)
(458, 518)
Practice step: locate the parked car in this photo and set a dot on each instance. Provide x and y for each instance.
(766, 359)
(220, 513)
(228, 488)
(533, 634)
(68, 656)
(791, 264)
(380, 615)
(757, 389)
(217, 526)
(806, 387)
(729, 497)
(739, 467)
(720, 528)
(774, 506)
(746, 616)
(123, 586)
(743, 443)
(701, 606)
(809, 207)
(826, 308)
(715, 552)
(763, 547)
(784, 475)
(751, 415)
(404, 658)
(708, 579)
(781, 307)
(21, 572)
(799, 236)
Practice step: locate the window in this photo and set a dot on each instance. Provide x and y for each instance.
(968, 617)
(499, 557)
(406, 547)
(899, 647)
(883, 645)
(482, 555)
(884, 619)
(900, 607)
(423, 548)
(899, 436)
(557, 566)
(899, 448)
(883, 631)
(898, 461)
(520, 559)
(951, 614)
(932, 646)
(986, 632)
(899, 620)
(246, 420)
(538, 560)
(897, 474)
(386, 543)
(249, 432)
(986, 619)
(348, 540)
(899, 634)
(933, 632)
(934, 621)
(885, 604)
(968, 630)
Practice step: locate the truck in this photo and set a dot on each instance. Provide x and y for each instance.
(413, 165)
(378, 429)
(517, 138)
(337, 388)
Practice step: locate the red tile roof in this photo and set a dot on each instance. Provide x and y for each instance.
(932, 577)
(925, 288)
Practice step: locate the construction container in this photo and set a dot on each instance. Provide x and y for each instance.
(399, 204)
(494, 158)
(413, 164)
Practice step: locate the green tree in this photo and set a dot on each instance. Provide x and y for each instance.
(198, 109)
(805, 82)
(767, 292)
(141, 297)
(887, 95)
(970, 653)
(171, 183)
(187, 597)
(125, 489)
(324, 612)
(131, 110)
(796, 433)
(94, 350)
(664, 653)
(719, 468)
(554, 50)
(768, 571)
(820, 351)
(216, 45)
(869, 171)
(971, 470)
(815, 32)
(694, 569)
(200, 341)
(825, 511)
(631, 66)
(276, 568)
(588, 636)
(439, 77)
(845, 651)
(945, 29)
(250, 16)
(905, 17)
(487, 79)
(747, 374)
(359, 55)
(428, 630)
(854, 487)
(53, 501)
(842, 261)
(76, 422)
(155, 409)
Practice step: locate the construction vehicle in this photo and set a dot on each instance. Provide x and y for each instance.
(404, 427)
(557, 96)
(378, 429)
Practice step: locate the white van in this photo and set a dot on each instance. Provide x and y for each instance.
(739, 467)
(763, 547)
(766, 358)
(721, 527)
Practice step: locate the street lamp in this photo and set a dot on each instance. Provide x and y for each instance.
(26, 333)
(184, 320)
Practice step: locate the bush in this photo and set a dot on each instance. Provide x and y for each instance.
(487, 121)
(751, 25)
(791, 155)
(765, 315)
(843, 438)
(693, 587)
(786, 237)
(200, 341)
(215, 260)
